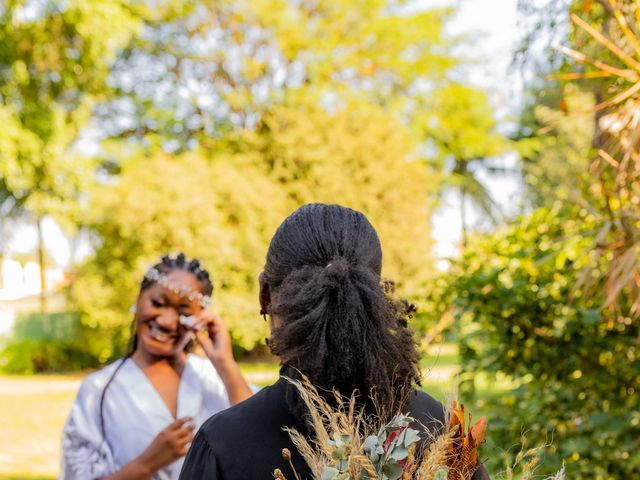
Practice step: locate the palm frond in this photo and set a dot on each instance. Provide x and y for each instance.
(616, 167)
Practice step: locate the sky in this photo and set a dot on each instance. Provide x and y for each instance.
(492, 28)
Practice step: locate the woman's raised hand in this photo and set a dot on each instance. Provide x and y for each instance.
(214, 338)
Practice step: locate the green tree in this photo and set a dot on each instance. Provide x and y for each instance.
(232, 61)
(550, 301)
(223, 207)
(554, 142)
(54, 62)
(575, 373)
(264, 83)
(239, 90)
(603, 62)
(463, 130)
(363, 157)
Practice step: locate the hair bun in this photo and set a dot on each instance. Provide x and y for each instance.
(338, 268)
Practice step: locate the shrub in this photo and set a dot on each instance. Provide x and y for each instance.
(576, 367)
(51, 342)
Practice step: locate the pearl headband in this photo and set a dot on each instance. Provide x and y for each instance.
(154, 275)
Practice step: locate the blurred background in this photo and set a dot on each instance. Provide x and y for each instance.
(492, 143)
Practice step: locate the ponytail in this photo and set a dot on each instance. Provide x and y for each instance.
(340, 328)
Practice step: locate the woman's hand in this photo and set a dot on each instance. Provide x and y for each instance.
(169, 445)
(214, 338)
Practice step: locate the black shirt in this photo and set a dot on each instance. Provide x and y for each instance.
(245, 442)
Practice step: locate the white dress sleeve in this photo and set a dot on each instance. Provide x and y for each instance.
(215, 394)
(216, 397)
(86, 453)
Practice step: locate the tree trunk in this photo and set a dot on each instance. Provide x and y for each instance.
(41, 263)
(463, 216)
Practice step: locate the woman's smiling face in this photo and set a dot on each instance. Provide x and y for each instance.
(158, 312)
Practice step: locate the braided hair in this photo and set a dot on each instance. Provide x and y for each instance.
(166, 265)
(339, 324)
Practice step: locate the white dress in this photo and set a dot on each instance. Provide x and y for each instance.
(134, 413)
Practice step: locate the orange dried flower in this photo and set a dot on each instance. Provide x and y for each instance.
(463, 454)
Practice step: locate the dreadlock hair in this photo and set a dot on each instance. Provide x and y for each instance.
(339, 324)
(166, 265)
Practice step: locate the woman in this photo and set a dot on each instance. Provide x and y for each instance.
(332, 320)
(135, 418)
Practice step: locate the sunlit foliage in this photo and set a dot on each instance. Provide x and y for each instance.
(576, 373)
(224, 206)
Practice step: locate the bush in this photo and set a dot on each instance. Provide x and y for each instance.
(38, 356)
(47, 326)
(51, 342)
(576, 367)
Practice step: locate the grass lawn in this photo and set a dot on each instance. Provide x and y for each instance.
(33, 412)
(34, 409)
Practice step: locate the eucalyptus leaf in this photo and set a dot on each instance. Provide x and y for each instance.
(339, 453)
(329, 473)
(371, 443)
(441, 474)
(398, 453)
(411, 436)
(391, 471)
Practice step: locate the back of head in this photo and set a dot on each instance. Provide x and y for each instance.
(337, 323)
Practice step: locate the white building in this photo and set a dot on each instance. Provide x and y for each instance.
(19, 284)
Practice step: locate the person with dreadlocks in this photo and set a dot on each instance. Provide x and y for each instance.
(136, 418)
(333, 320)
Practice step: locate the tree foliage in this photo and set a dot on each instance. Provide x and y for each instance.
(576, 373)
(604, 47)
(549, 303)
(554, 143)
(230, 62)
(223, 207)
(54, 64)
(208, 122)
(215, 120)
(462, 131)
